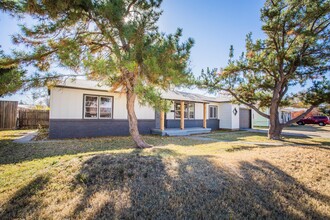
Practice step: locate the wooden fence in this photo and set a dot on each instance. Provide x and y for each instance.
(31, 118)
(8, 114)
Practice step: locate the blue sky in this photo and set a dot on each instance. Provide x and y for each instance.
(214, 25)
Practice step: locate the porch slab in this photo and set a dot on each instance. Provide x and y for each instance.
(180, 132)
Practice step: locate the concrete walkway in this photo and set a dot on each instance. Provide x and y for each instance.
(26, 138)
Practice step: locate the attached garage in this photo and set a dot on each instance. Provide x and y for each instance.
(244, 118)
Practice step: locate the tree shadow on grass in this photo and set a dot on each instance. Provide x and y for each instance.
(25, 201)
(325, 143)
(132, 186)
(15, 152)
(259, 139)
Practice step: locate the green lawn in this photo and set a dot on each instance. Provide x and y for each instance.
(104, 178)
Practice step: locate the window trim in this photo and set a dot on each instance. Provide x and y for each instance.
(188, 112)
(217, 111)
(98, 106)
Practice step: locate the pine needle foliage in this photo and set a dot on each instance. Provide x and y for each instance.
(116, 42)
(295, 51)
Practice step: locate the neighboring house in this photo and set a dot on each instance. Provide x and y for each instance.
(32, 107)
(258, 120)
(80, 108)
(25, 107)
(285, 115)
(299, 111)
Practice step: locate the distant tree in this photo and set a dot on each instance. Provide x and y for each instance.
(116, 42)
(296, 50)
(325, 109)
(296, 102)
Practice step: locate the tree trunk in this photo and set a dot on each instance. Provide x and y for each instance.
(275, 128)
(274, 132)
(132, 121)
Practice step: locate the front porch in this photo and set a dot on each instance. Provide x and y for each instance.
(183, 126)
(180, 132)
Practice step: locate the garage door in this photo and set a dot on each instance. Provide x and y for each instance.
(244, 118)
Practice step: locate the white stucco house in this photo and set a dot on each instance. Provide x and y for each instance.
(81, 108)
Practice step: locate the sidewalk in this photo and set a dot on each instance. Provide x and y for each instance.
(26, 138)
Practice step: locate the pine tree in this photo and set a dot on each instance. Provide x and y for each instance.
(116, 42)
(296, 50)
(11, 77)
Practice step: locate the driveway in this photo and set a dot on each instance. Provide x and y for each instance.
(303, 131)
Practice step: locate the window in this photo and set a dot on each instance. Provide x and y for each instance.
(213, 112)
(189, 110)
(320, 117)
(177, 110)
(105, 107)
(91, 106)
(97, 107)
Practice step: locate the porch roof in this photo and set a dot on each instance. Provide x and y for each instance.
(191, 97)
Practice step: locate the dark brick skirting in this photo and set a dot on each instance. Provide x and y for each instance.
(211, 123)
(79, 128)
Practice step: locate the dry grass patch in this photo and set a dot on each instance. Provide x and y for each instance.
(180, 178)
(262, 138)
(311, 128)
(303, 128)
(9, 135)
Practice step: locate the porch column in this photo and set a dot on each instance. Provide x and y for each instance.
(182, 115)
(204, 115)
(162, 122)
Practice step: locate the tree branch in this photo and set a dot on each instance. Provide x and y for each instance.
(52, 77)
(284, 91)
(299, 117)
(129, 7)
(11, 62)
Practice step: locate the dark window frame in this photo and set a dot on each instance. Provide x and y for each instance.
(98, 106)
(216, 112)
(188, 111)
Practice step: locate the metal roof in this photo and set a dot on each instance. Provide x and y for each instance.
(169, 94)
